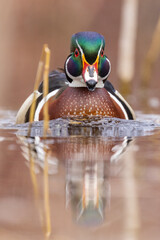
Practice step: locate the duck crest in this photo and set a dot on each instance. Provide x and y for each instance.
(89, 43)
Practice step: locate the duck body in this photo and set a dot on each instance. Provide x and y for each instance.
(79, 102)
(83, 90)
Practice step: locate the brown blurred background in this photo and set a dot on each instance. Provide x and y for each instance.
(26, 25)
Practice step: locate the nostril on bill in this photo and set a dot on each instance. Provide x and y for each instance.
(91, 71)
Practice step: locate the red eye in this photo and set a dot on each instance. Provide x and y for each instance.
(76, 53)
(102, 53)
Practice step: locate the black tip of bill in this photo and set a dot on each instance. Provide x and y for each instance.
(91, 84)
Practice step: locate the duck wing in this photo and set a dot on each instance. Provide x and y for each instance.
(116, 95)
(57, 84)
(56, 80)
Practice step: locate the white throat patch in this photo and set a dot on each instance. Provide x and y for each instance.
(79, 82)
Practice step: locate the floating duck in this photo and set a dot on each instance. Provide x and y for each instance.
(83, 89)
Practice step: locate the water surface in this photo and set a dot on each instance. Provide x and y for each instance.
(88, 180)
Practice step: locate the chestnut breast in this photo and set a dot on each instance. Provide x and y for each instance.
(82, 102)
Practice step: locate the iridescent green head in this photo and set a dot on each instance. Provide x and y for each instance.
(87, 65)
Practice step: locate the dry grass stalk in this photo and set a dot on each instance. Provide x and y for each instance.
(44, 61)
(152, 56)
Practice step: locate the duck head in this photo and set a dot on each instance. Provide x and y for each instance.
(87, 66)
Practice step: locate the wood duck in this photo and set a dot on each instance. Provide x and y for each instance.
(82, 90)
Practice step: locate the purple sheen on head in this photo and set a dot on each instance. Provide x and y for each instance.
(104, 68)
(74, 67)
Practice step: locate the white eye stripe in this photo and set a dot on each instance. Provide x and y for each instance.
(100, 49)
(81, 50)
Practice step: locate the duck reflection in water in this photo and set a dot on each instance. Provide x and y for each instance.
(88, 165)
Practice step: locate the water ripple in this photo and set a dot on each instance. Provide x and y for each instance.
(101, 127)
